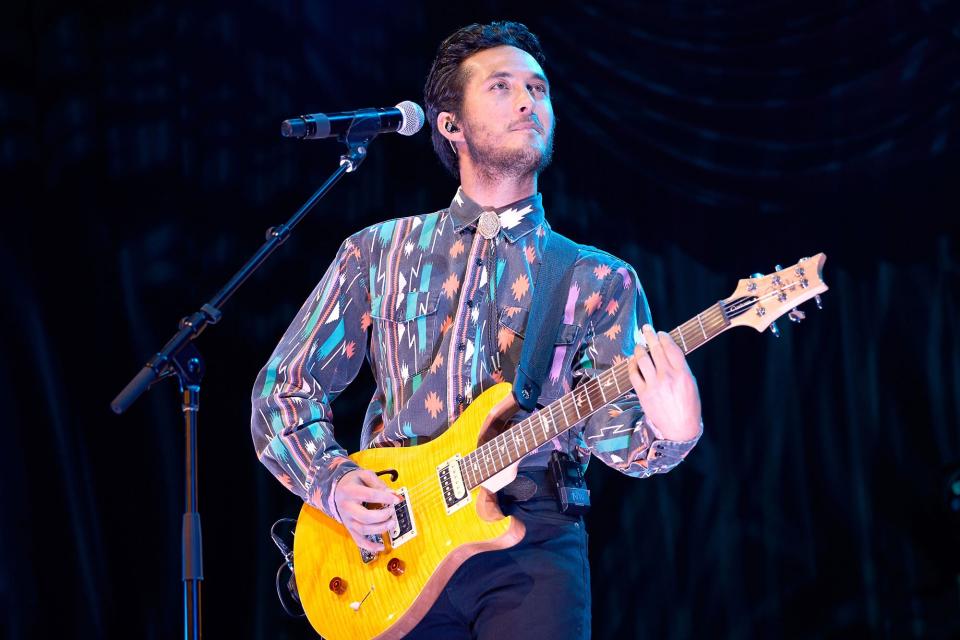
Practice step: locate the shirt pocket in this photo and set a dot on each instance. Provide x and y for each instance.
(405, 330)
(512, 324)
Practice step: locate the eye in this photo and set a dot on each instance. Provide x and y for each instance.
(499, 84)
(539, 87)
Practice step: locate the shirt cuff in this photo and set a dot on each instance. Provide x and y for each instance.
(323, 500)
(665, 454)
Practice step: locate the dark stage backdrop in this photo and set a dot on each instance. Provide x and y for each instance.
(699, 141)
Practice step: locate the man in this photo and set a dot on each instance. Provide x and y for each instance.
(443, 299)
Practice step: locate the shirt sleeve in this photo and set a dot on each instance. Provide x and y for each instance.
(319, 355)
(620, 434)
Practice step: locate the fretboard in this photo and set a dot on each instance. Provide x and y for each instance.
(589, 397)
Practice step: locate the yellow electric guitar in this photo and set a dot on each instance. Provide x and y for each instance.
(449, 513)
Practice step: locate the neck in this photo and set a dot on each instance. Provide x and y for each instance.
(488, 191)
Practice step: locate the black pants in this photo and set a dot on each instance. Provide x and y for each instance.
(539, 588)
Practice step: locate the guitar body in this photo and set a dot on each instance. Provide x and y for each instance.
(391, 605)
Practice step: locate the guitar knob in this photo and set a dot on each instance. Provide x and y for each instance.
(338, 586)
(396, 566)
(819, 303)
(774, 329)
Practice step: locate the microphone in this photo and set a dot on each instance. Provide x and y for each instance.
(406, 119)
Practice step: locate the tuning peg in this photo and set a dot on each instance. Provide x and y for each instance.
(796, 315)
(777, 267)
(819, 303)
(774, 330)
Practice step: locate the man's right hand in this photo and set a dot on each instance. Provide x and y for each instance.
(352, 491)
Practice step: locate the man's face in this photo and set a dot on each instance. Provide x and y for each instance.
(507, 118)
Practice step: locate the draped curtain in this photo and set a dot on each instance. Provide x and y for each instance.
(702, 142)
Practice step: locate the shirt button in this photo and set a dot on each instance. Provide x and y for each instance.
(460, 399)
(462, 346)
(470, 303)
(479, 262)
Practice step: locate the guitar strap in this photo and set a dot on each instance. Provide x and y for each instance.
(546, 311)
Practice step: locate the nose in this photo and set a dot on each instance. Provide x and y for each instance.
(525, 100)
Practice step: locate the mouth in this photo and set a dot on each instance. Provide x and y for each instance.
(525, 126)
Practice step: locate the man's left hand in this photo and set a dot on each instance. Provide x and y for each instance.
(666, 387)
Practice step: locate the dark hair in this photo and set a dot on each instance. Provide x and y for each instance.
(444, 88)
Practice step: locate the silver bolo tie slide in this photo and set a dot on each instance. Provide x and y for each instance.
(488, 225)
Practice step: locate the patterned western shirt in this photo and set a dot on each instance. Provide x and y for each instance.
(440, 312)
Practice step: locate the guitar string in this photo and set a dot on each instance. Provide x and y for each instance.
(527, 428)
(593, 388)
(713, 318)
(435, 497)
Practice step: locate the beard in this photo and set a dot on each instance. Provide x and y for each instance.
(494, 163)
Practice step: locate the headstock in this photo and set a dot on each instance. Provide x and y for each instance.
(761, 299)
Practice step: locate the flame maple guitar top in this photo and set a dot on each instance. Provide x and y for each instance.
(377, 603)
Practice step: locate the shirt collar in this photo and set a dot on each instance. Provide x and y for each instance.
(517, 219)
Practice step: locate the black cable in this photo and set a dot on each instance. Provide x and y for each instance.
(291, 583)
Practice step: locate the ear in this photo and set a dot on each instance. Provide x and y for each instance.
(453, 136)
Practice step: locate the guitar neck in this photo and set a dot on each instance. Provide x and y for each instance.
(560, 415)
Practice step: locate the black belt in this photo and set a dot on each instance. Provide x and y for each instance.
(530, 484)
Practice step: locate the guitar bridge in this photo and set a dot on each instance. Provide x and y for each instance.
(370, 556)
(405, 530)
(455, 494)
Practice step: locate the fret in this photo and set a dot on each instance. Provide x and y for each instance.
(498, 450)
(553, 415)
(609, 379)
(687, 326)
(587, 394)
(721, 321)
(700, 320)
(603, 396)
(553, 418)
(477, 462)
(519, 439)
(466, 466)
(616, 380)
(528, 447)
(683, 342)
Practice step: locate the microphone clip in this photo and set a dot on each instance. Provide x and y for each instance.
(356, 152)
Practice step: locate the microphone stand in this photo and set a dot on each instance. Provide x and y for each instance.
(180, 358)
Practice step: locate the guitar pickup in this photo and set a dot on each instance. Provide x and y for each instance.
(452, 487)
(406, 528)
